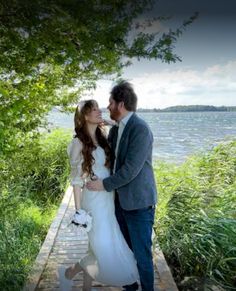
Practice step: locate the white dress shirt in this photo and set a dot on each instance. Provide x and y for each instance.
(122, 123)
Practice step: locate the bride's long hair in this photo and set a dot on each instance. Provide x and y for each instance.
(83, 135)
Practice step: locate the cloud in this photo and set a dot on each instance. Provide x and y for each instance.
(216, 85)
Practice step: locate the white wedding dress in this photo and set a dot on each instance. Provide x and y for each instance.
(109, 260)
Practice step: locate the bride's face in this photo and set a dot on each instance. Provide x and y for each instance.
(94, 116)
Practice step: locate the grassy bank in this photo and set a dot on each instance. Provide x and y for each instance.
(32, 183)
(196, 219)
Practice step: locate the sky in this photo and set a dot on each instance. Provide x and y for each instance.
(207, 73)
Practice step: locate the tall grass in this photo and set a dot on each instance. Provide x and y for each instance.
(32, 183)
(196, 219)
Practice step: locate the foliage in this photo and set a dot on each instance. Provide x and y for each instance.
(21, 236)
(32, 184)
(39, 169)
(196, 218)
(51, 52)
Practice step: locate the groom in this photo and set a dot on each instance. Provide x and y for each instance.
(132, 179)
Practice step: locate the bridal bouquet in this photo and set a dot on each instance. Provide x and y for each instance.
(82, 219)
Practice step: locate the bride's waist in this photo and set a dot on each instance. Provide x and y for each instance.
(101, 174)
(95, 176)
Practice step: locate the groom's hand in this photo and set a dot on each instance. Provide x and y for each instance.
(95, 185)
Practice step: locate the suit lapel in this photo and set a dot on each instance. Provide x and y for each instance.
(114, 136)
(124, 133)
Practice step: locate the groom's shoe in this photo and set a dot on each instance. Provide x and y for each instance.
(132, 287)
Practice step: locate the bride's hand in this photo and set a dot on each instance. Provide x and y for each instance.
(108, 122)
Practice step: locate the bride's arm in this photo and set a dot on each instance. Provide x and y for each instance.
(75, 157)
(81, 217)
(77, 196)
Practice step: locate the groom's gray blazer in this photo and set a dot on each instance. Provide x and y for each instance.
(134, 177)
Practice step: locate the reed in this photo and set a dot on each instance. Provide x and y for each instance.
(32, 184)
(196, 219)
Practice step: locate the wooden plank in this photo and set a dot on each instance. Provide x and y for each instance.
(166, 279)
(64, 247)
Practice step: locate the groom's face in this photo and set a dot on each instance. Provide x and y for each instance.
(113, 107)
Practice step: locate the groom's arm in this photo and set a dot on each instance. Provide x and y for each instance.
(138, 149)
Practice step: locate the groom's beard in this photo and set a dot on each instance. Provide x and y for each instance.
(115, 113)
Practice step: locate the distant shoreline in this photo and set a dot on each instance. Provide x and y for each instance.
(189, 108)
(178, 108)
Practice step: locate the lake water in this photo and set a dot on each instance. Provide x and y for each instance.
(176, 135)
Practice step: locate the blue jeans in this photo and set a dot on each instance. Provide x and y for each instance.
(136, 226)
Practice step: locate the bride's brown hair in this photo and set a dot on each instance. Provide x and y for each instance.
(83, 135)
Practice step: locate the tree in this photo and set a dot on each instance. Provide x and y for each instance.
(51, 51)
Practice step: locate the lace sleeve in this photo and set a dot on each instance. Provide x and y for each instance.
(75, 156)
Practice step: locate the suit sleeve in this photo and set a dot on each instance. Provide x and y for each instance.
(140, 141)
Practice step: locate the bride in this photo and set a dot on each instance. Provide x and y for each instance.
(109, 259)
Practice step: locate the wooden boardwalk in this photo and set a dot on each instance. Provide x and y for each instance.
(64, 247)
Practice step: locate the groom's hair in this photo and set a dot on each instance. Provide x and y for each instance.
(124, 92)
